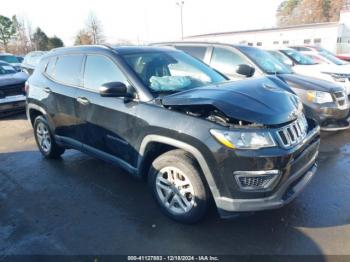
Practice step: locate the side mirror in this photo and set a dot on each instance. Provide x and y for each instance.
(245, 70)
(114, 89)
(289, 62)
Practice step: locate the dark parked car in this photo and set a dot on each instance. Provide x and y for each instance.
(324, 101)
(167, 117)
(31, 60)
(312, 48)
(12, 84)
(20, 59)
(12, 60)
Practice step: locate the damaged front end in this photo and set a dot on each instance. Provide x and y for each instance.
(255, 115)
(266, 149)
(212, 114)
(256, 102)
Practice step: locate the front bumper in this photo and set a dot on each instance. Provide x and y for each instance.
(12, 103)
(285, 194)
(297, 166)
(330, 117)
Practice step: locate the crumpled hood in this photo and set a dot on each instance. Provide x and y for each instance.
(263, 100)
(13, 79)
(310, 83)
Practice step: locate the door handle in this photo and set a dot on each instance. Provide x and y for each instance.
(47, 90)
(83, 100)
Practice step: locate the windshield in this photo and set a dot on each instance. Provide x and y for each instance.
(171, 71)
(33, 59)
(267, 62)
(6, 69)
(298, 58)
(321, 49)
(332, 58)
(281, 57)
(9, 59)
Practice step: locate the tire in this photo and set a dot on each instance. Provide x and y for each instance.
(185, 182)
(42, 133)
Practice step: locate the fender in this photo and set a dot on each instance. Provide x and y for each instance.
(181, 145)
(40, 109)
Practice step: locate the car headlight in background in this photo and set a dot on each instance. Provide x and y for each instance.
(338, 77)
(319, 97)
(243, 139)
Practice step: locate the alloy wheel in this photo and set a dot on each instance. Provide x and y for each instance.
(43, 136)
(175, 190)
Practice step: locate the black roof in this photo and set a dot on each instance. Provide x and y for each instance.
(138, 49)
(118, 49)
(201, 43)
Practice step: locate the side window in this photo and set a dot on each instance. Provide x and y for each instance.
(51, 66)
(196, 51)
(68, 69)
(225, 61)
(100, 70)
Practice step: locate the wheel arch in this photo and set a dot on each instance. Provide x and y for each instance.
(34, 111)
(167, 143)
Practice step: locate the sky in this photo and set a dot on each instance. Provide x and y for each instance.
(143, 20)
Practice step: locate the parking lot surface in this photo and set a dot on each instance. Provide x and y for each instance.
(81, 205)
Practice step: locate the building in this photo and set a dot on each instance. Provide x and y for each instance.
(334, 36)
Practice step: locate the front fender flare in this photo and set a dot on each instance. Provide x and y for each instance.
(187, 147)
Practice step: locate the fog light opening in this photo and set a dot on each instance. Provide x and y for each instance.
(257, 180)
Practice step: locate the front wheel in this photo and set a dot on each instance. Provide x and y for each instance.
(45, 140)
(176, 183)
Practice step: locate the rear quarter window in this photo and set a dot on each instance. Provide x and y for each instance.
(50, 68)
(66, 69)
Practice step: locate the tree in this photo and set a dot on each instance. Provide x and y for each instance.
(296, 12)
(94, 29)
(40, 40)
(55, 42)
(22, 40)
(30, 33)
(7, 31)
(83, 38)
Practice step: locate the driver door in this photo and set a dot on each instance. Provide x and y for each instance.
(106, 123)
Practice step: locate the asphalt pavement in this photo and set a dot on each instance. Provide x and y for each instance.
(81, 205)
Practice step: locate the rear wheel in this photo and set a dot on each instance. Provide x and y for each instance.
(176, 183)
(45, 140)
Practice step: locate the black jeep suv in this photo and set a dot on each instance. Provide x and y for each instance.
(167, 117)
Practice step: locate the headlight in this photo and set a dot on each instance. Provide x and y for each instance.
(338, 77)
(347, 89)
(319, 97)
(243, 139)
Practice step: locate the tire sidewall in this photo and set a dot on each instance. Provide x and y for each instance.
(42, 120)
(193, 174)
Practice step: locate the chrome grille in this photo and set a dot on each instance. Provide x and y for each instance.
(12, 90)
(293, 133)
(341, 99)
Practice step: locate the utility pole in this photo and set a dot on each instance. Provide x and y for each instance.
(180, 4)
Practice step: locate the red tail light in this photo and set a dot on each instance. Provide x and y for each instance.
(26, 87)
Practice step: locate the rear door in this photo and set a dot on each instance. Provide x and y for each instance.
(105, 122)
(64, 78)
